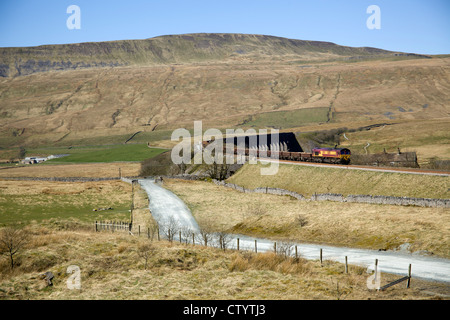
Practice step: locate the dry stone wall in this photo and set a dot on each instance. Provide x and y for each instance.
(372, 199)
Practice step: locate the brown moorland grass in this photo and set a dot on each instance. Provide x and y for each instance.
(428, 138)
(167, 97)
(111, 268)
(344, 224)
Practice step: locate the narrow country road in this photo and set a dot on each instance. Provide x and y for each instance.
(164, 204)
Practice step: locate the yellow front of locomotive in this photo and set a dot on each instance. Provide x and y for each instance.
(345, 156)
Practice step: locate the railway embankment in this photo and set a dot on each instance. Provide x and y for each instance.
(336, 184)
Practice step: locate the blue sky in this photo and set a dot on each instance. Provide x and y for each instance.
(406, 25)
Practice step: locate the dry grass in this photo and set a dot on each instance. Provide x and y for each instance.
(115, 266)
(100, 170)
(346, 224)
(428, 138)
(112, 268)
(142, 219)
(309, 180)
(270, 261)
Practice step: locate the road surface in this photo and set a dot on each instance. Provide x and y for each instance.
(165, 204)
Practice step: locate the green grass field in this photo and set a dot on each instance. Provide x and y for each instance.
(105, 153)
(39, 208)
(22, 202)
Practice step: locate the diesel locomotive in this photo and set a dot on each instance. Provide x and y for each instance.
(322, 155)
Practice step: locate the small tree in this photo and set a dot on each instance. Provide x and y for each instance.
(285, 248)
(22, 153)
(186, 234)
(145, 251)
(170, 227)
(217, 171)
(224, 239)
(206, 233)
(11, 242)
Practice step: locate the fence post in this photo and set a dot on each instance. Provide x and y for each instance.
(193, 238)
(238, 244)
(346, 264)
(180, 235)
(376, 271)
(409, 277)
(95, 225)
(275, 247)
(320, 257)
(157, 229)
(256, 247)
(296, 253)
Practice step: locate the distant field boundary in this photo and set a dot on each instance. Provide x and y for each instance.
(88, 179)
(372, 199)
(60, 179)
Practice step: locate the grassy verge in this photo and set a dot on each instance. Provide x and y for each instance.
(309, 180)
(343, 224)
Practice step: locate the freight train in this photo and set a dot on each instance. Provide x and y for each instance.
(323, 155)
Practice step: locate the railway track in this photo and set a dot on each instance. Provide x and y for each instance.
(360, 167)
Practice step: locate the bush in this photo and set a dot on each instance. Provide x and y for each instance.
(326, 137)
(435, 163)
(301, 220)
(160, 165)
(269, 261)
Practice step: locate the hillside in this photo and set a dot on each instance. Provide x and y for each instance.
(168, 50)
(98, 93)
